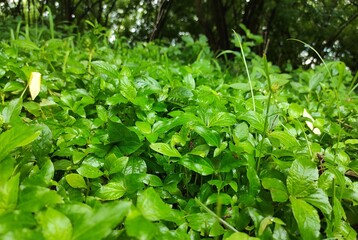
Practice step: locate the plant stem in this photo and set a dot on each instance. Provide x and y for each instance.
(216, 216)
(247, 70)
(267, 111)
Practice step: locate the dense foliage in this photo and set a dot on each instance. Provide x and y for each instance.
(167, 142)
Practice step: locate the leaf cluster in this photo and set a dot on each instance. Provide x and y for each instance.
(166, 142)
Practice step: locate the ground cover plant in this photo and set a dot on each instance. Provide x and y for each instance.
(160, 141)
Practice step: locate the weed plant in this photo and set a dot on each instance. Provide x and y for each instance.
(156, 141)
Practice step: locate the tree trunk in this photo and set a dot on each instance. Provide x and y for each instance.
(161, 18)
(203, 21)
(219, 14)
(251, 18)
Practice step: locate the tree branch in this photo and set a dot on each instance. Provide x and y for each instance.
(161, 17)
(333, 38)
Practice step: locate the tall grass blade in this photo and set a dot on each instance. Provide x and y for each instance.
(225, 223)
(50, 20)
(312, 48)
(238, 38)
(246, 68)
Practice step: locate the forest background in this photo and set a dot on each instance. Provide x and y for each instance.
(331, 27)
(178, 119)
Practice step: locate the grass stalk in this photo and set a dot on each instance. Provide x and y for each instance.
(352, 87)
(246, 68)
(238, 38)
(308, 143)
(264, 134)
(50, 20)
(312, 48)
(226, 224)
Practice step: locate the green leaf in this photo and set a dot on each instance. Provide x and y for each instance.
(105, 68)
(189, 81)
(197, 164)
(243, 87)
(240, 132)
(97, 223)
(320, 200)
(128, 141)
(115, 99)
(180, 93)
(295, 110)
(147, 229)
(16, 137)
(165, 125)
(201, 150)
(89, 171)
(12, 110)
(307, 218)
(147, 85)
(216, 230)
(33, 107)
(315, 80)
(152, 206)
(222, 119)
(285, 139)
(41, 177)
(13, 222)
(220, 149)
(75, 180)
(211, 137)
(34, 198)
(114, 164)
(254, 181)
(25, 44)
(63, 165)
(127, 88)
(219, 198)
(152, 180)
(55, 225)
(338, 212)
(42, 146)
(228, 162)
(111, 191)
(135, 165)
(201, 221)
(165, 149)
(302, 178)
(9, 193)
(241, 236)
(277, 189)
(134, 182)
(7, 169)
(102, 113)
(278, 80)
(264, 223)
(280, 233)
(13, 87)
(144, 127)
(255, 120)
(351, 141)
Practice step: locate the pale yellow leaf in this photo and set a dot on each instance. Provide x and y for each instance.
(310, 123)
(35, 84)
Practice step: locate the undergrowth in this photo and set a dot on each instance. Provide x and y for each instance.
(155, 141)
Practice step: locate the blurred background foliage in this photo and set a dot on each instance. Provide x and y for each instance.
(330, 26)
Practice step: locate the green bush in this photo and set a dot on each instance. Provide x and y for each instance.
(159, 141)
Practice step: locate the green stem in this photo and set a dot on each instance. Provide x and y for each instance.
(247, 70)
(23, 92)
(216, 216)
(308, 144)
(264, 134)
